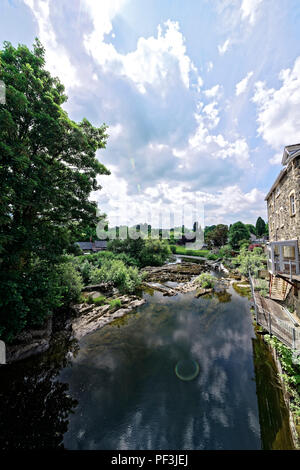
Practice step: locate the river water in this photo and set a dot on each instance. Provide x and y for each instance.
(179, 373)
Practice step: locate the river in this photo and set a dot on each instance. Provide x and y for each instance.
(178, 373)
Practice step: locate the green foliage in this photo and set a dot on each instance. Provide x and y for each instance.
(181, 250)
(126, 279)
(70, 283)
(217, 236)
(252, 261)
(149, 252)
(225, 252)
(262, 286)
(100, 300)
(206, 280)
(173, 248)
(115, 303)
(291, 372)
(237, 232)
(260, 227)
(48, 168)
(251, 228)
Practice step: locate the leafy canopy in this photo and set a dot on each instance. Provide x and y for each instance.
(48, 168)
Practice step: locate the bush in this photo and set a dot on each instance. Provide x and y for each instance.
(100, 300)
(115, 303)
(149, 252)
(225, 252)
(173, 248)
(127, 279)
(206, 280)
(252, 261)
(70, 283)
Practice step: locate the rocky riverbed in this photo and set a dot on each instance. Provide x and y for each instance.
(84, 318)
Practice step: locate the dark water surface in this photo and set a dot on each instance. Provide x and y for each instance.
(121, 389)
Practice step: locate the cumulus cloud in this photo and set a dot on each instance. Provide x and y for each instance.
(250, 10)
(212, 92)
(60, 63)
(279, 110)
(155, 60)
(241, 87)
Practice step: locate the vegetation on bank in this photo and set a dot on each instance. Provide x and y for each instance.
(291, 372)
(206, 280)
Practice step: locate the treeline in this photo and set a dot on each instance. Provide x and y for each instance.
(48, 168)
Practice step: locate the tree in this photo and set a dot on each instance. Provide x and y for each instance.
(260, 227)
(251, 228)
(218, 236)
(48, 168)
(237, 232)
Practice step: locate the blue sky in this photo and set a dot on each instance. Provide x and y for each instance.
(200, 96)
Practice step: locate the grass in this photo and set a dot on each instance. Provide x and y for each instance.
(181, 250)
(115, 303)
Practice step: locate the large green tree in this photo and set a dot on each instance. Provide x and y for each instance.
(48, 168)
(260, 227)
(237, 232)
(218, 236)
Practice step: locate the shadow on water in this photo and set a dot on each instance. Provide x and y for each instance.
(273, 413)
(34, 405)
(122, 389)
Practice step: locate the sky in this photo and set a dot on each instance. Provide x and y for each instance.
(200, 96)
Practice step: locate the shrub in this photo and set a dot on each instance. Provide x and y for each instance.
(252, 261)
(127, 279)
(173, 248)
(206, 280)
(101, 300)
(70, 283)
(115, 303)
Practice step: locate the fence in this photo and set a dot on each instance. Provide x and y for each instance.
(270, 314)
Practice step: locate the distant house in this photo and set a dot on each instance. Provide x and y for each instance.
(256, 240)
(284, 217)
(92, 247)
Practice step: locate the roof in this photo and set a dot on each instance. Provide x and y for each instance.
(92, 245)
(290, 152)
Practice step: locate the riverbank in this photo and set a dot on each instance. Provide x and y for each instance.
(89, 316)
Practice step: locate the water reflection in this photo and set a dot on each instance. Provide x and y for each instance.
(34, 407)
(275, 429)
(130, 398)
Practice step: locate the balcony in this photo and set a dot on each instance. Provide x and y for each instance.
(283, 258)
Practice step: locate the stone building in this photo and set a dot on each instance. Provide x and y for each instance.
(284, 217)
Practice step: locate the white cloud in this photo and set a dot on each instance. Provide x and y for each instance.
(155, 58)
(212, 92)
(241, 87)
(57, 59)
(250, 10)
(279, 110)
(224, 47)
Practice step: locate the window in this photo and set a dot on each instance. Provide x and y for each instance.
(277, 191)
(292, 204)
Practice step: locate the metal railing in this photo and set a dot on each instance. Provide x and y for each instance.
(285, 331)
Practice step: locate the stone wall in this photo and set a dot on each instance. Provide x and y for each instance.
(283, 225)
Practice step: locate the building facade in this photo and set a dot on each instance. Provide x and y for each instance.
(284, 217)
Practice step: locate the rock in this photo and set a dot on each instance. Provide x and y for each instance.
(202, 291)
(18, 352)
(101, 316)
(104, 287)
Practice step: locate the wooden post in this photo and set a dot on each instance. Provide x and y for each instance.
(269, 321)
(294, 338)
